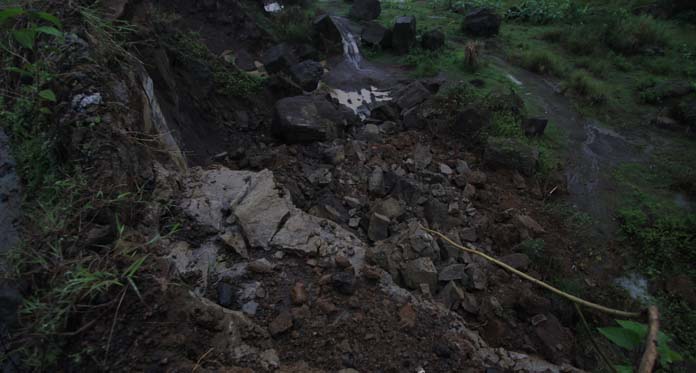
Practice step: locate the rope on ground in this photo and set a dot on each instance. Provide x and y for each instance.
(650, 355)
(561, 293)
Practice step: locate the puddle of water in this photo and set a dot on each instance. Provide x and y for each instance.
(273, 7)
(636, 286)
(359, 101)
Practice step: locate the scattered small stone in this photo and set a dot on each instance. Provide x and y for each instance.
(343, 282)
(250, 308)
(526, 222)
(225, 293)
(326, 306)
(281, 324)
(453, 209)
(342, 261)
(460, 181)
(379, 227)
(321, 176)
(298, 294)
(353, 202)
(312, 262)
(462, 167)
(478, 178)
(425, 290)
(354, 222)
(450, 295)
(438, 190)
(445, 169)
(376, 182)
(420, 271)
(519, 181)
(235, 241)
(261, 266)
(422, 156)
(371, 273)
(453, 272)
(538, 319)
(469, 191)
(441, 349)
(407, 316)
(301, 313)
(279, 254)
(269, 359)
(370, 133)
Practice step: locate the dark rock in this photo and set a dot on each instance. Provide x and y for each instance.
(433, 40)
(481, 22)
(365, 10)
(327, 34)
(556, 341)
(471, 121)
(379, 227)
(534, 126)
(376, 184)
(422, 156)
(533, 304)
(278, 58)
(370, 133)
(307, 74)
(450, 295)
(512, 154)
(412, 95)
(307, 119)
(306, 52)
(665, 123)
(433, 84)
(407, 190)
(225, 294)
(244, 61)
(442, 349)
(385, 111)
(344, 282)
(407, 316)
(390, 208)
(99, 235)
(261, 266)
(517, 261)
(298, 294)
(326, 306)
(281, 324)
(282, 87)
(420, 271)
(404, 34)
(411, 119)
(526, 223)
(376, 35)
(453, 272)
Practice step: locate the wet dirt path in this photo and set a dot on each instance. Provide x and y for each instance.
(591, 150)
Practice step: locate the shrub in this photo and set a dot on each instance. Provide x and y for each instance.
(597, 66)
(294, 24)
(583, 39)
(581, 83)
(541, 62)
(632, 34)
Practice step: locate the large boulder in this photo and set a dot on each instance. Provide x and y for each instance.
(433, 40)
(327, 34)
(307, 119)
(534, 126)
(307, 74)
(278, 58)
(365, 10)
(376, 35)
(412, 95)
(512, 154)
(404, 34)
(481, 22)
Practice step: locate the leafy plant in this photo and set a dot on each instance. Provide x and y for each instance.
(630, 335)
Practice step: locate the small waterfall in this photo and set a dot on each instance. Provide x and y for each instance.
(350, 45)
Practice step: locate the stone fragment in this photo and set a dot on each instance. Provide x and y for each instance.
(420, 271)
(282, 323)
(298, 294)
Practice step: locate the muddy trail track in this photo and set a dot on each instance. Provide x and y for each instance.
(300, 247)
